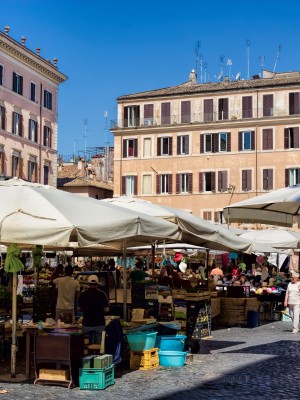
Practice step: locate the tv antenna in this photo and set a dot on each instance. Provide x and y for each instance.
(198, 58)
(106, 145)
(277, 57)
(237, 77)
(221, 59)
(248, 57)
(229, 65)
(205, 71)
(85, 122)
(262, 64)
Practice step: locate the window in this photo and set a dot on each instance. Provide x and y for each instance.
(215, 142)
(47, 100)
(246, 141)
(147, 184)
(185, 112)
(129, 185)
(184, 183)
(47, 139)
(223, 109)
(183, 144)
(291, 138)
(246, 180)
(147, 147)
(148, 114)
(32, 91)
(17, 124)
(130, 148)
(222, 181)
(292, 176)
(268, 179)
(267, 139)
(17, 83)
(207, 181)
(165, 113)
(131, 116)
(2, 158)
(208, 110)
(2, 117)
(164, 184)
(207, 215)
(164, 146)
(268, 110)
(16, 164)
(32, 170)
(222, 141)
(294, 103)
(32, 130)
(207, 143)
(46, 173)
(247, 107)
(1, 75)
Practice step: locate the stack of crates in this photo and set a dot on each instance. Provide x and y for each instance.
(144, 360)
(97, 372)
(180, 307)
(165, 307)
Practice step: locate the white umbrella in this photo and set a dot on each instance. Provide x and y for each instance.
(278, 207)
(279, 238)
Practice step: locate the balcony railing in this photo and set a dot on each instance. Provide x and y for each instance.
(200, 118)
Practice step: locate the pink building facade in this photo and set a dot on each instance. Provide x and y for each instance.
(28, 112)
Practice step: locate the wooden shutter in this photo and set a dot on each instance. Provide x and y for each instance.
(123, 186)
(20, 167)
(186, 145)
(222, 181)
(124, 148)
(296, 137)
(158, 187)
(20, 125)
(36, 132)
(240, 141)
(170, 146)
(294, 103)
(246, 180)
(125, 116)
(215, 142)
(135, 147)
(201, 143)
(185, 112)
(208, 110)
(228, 141)
(267, 139)
(3, 111)
(158, 146)
(190, 182)
(201, 175)
(223, 109)
(13, 122)
(165, 113)
(170, 183)
(14, 85)
(252, 140)
(267, 105)
(20, 88)
(177, 183)
(268, 179)
(35, 172)
(286, 138)
(135, 185)
(178, 145)
(287, 177)
(213, 181)
(148, 111)
(247, 107)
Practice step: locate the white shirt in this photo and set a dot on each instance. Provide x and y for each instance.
(293, 293)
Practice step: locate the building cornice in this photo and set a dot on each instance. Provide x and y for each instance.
(23, 54)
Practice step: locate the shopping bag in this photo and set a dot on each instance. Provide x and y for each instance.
(286, 314)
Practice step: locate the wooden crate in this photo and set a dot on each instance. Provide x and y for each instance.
(54, 375)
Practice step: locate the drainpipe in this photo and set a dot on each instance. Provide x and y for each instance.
(41, 132)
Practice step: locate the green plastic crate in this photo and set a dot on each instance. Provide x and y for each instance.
(96, 378)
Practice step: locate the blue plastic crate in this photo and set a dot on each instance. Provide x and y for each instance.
(170, 343)
(140, 341)
(96, 378)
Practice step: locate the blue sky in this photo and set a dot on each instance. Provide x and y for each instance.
(112, 48)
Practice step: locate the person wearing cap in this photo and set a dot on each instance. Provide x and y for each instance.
(292, 300)
(67, 293)
(93, 303)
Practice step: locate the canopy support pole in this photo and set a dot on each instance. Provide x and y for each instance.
(14, 326)
(124, 281)
(153, 259)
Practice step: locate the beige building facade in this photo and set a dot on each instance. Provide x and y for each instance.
(28, 112)
(202, 147)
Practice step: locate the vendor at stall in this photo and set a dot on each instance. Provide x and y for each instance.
(138, 274)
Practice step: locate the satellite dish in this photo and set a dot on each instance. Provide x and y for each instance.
(238, 75)
(220, 76)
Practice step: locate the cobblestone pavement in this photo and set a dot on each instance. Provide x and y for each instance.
(243, 363)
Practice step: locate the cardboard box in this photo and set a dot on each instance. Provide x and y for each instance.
(54, 375)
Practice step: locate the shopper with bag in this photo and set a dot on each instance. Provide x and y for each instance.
(292, 300)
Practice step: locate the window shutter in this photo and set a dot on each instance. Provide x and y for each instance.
(13, 122)
(123, 189)
(178, 145)
(148, 111)
(20, 91)
(228, 142)
(29, 127)
(215, 142)
(247, 107)
(244, 180)
(220, 187)
(158, 146)
(125, 116)
(170, 146)
(135, 147)
(20, 125)
(177, 183)
(36, 132)
(213, 181)
(3, 112)
(201, 143)
(135, 184)
(208, 110)
(170, 183)
(201, 182)
(267, 139)
(287, 177)
(20, 169)
(124, 148)
(14, 85)
(222, 181)
(158, 189)
(296, 138)
(185, 112)
(190, 177)
(249, 180)
(294, 103)
(35, 172)
(252, 140)
(286, 138)
(265, 179)
(267, 105)
(223, 109)
(270, 179)
(240, 141)
(165, 113)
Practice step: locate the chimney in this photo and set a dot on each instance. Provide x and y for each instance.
(38, 51)
(193, 76)
(6, 28)
(23, 40)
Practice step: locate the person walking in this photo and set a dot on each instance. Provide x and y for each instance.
(67, 292)
(93, 303)
(292, 300)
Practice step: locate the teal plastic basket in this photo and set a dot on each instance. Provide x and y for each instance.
(140, 341)
(96, 378)
(172, 358)
(170, 343)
